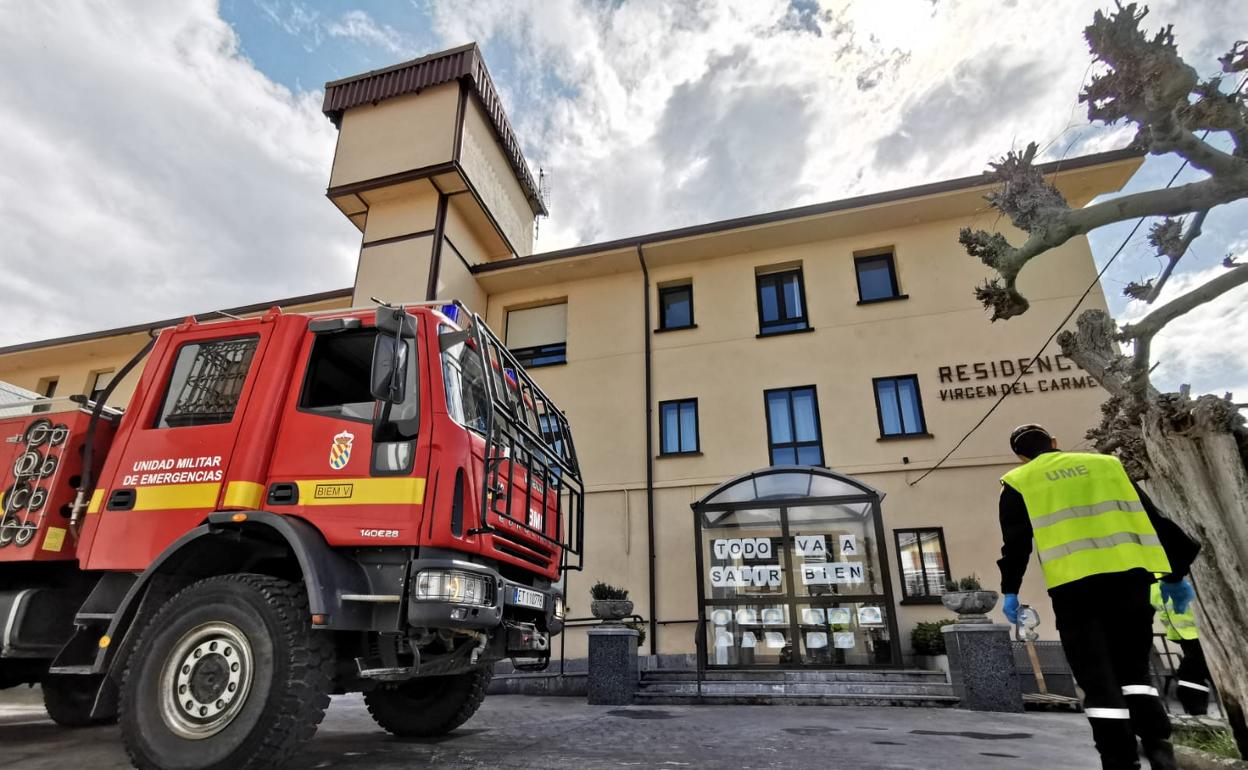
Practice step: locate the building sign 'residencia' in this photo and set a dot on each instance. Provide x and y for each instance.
(1045, 375)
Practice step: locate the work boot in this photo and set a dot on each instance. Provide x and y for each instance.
(1161, 756)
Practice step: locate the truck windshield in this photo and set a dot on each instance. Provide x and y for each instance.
(467, 399)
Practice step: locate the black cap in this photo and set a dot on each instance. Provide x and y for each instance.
(1026, 439)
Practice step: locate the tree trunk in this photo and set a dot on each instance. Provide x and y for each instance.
(1196, 472)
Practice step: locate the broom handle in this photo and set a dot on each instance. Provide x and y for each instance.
(1035, 667)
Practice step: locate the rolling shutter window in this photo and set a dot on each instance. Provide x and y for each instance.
(538, 335)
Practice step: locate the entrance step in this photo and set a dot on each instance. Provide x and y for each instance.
(917, 676)
(817, 688)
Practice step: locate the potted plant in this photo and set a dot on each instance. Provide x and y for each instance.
(929, 645)
(969, 599)
(609, 603)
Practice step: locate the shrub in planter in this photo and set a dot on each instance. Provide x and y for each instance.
(609, 603)
(969, 600)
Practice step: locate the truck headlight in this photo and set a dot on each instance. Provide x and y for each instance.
(437, 585)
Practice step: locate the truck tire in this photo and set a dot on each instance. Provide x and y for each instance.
(227, 674)
(429, 706)
(69, 699)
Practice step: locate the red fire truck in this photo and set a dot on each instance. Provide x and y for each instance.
(377, 500)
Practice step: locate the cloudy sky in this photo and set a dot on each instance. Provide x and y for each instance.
(163, 158)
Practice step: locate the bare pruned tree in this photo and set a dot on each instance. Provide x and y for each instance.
(1192, 452)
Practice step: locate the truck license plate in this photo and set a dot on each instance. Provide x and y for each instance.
(526, 598)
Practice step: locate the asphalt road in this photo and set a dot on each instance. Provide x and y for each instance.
(513, 731)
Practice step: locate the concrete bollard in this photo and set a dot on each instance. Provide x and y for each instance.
(613, 673)
(981, 667)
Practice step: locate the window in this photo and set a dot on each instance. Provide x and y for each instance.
(47, 389)
(336, 382)
(899, 407)
(206, 382)
(538, 336)
(924, 568)
(781, 302)
(793, 426)
(678, 427)
(676, 307)
(467, 395)
(877, 278)
(99, 381)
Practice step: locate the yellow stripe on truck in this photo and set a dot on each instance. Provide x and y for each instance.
(172, 496)
(97, 501)
(340, 491)
(243, 494)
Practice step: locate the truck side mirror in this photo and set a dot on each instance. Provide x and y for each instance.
(388, 379)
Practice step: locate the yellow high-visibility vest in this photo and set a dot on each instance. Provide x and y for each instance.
(1086, 517)
(1178, 625)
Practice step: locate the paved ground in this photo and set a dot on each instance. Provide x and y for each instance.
(513, 731)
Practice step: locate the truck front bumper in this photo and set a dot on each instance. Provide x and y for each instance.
(500, 604)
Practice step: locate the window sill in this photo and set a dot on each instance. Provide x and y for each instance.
(920, 600)
(543, 366)
(883, 299)
(675, 328)
(904, 436)
(670, 455)
(761, 335)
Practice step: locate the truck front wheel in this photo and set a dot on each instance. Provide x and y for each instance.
(428, 706)
(227, 674)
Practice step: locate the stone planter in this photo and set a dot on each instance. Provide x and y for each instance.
(611, 610)
(933, 663)
(971, 606)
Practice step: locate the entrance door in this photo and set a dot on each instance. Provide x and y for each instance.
(794, 573)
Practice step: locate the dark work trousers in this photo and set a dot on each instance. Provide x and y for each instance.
(1106, 626)
(1193, 675)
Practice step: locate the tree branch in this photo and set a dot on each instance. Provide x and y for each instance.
(1176, 252)
(1148, 326)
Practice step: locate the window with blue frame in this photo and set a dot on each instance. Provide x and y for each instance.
(678, 427)
(781, 302)
(675, 307)
(538, 336)
(877, 278)
(899, 406)
(793, 426)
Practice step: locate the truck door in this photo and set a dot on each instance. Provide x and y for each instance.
(169, 471)
(326, 467)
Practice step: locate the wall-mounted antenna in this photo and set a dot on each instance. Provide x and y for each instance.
(543, 192)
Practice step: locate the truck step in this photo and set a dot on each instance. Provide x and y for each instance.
(72, 670)
(94, 618)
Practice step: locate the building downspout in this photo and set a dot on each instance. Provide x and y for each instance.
(650, 563)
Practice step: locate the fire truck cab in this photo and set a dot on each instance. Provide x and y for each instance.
(377, 500)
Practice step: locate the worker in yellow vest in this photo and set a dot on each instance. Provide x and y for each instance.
(1100, 541)
(1193, 673)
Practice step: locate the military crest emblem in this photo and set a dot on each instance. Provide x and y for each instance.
(340, 450)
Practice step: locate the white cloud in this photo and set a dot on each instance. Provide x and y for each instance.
(148, 170)
(359, 26)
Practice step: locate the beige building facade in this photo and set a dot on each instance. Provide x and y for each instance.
(841, 335)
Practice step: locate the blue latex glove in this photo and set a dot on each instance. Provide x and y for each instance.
(1010, 608)
(1179, 595)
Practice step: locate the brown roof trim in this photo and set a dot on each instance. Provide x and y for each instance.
(844, 204)
(303, 299)
(464, 64)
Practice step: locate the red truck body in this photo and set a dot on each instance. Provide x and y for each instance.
(427, 526)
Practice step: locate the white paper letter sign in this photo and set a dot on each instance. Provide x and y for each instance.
(766, 575)
(747, 548)
(812, 545)
(848, 545)
(833, 572)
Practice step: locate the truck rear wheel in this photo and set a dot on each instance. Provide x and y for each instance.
(69, 699)
(428, 706)
(227, 674)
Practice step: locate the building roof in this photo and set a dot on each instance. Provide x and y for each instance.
(464, 64)
(259, 307)
(771, 217)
